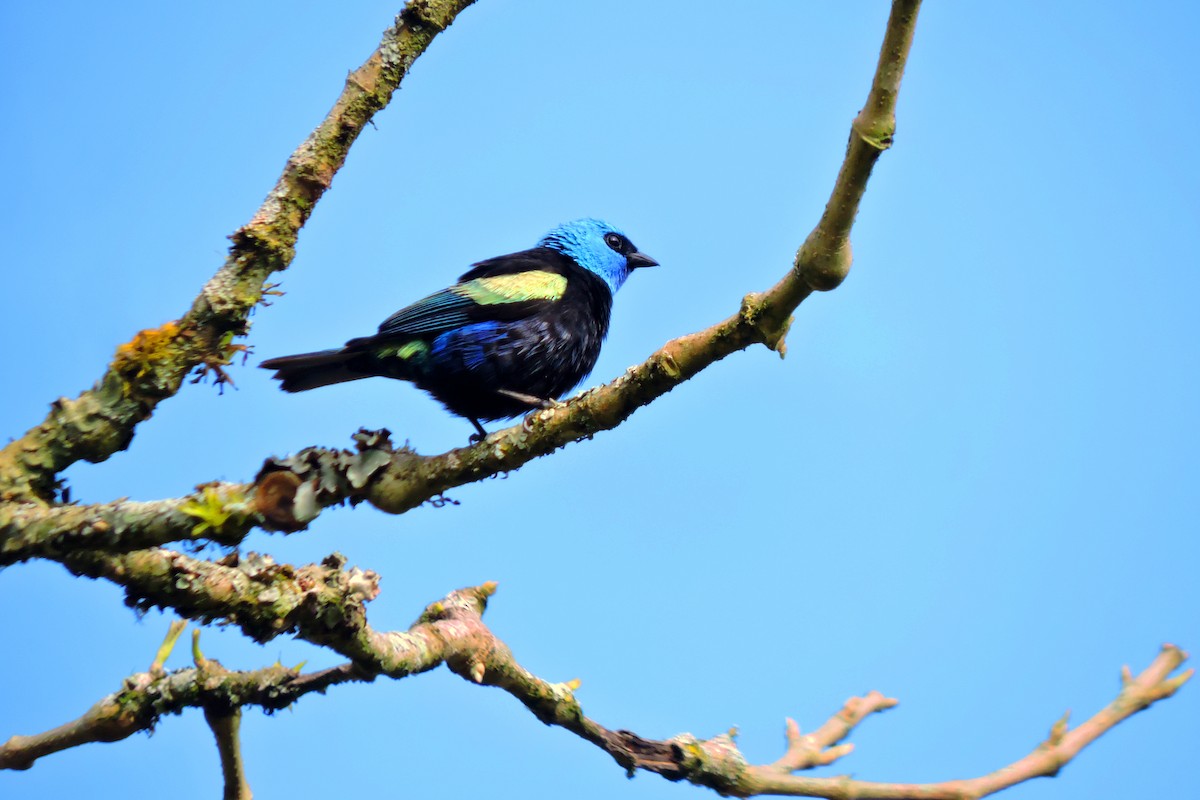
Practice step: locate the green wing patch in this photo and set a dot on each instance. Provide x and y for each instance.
(405, 351)
(520, 287)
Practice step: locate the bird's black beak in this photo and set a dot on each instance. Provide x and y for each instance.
(636, 260)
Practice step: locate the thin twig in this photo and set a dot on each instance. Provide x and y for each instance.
(164, 650)
(820, 748)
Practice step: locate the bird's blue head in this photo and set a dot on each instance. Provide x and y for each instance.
(599, 248)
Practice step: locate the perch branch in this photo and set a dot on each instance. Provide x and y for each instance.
(289, 492)
(408, 479)
(151, 367)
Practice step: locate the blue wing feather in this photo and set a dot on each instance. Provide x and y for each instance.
(446, 310)
(439, 312)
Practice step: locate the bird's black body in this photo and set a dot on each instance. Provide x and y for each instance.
(514, 332)
(543, 350)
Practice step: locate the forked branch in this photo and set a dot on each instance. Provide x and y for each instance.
(325, 604)
(146, 697)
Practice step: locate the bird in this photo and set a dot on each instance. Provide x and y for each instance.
(514, 334)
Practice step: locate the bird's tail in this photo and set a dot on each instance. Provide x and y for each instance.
(305, 371)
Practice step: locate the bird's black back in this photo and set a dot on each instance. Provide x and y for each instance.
(540, 348)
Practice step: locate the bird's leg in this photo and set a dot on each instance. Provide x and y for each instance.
(534, 403)
(529, 399)
(476, 438)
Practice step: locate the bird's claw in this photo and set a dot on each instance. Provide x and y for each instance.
(545, 405)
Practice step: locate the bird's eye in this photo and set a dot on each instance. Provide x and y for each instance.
(613, 241)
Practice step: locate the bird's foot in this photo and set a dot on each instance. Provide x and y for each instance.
(527, 423)
(533, 401)
(479, 435)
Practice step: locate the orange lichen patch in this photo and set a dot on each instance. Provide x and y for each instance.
(147, 349)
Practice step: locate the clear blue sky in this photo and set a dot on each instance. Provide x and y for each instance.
(971, 485)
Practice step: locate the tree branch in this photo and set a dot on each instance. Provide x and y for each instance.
(146, 697)
(818, 749)
(226, 727)
(1153, 684)
(325, 604)
(290, 492)
(216, 512)
(406, 479)
(226, 724)
(151, 367)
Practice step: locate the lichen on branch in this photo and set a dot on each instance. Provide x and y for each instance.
(325, 603)
(145, 698)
